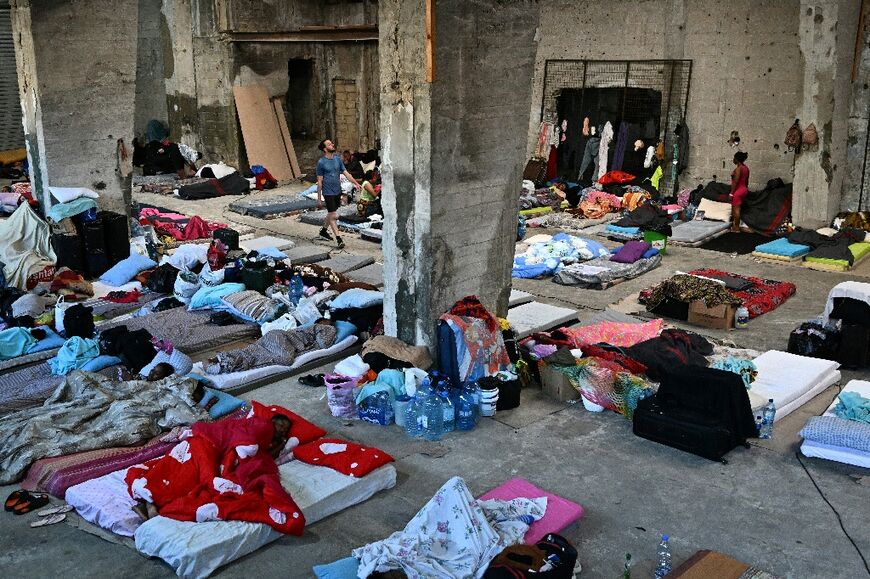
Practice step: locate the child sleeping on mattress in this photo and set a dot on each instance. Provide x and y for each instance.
(220, 471)
(276, 348)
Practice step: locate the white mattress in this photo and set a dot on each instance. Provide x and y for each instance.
(198, 549)
(102, 289)
(236, 379)
(526, 319)
(840, 453)
(791, 380)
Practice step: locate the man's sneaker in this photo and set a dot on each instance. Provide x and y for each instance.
(340, 242)
(325, 234)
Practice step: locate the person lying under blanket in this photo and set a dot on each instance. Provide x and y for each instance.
(220, 471)
(276, 348)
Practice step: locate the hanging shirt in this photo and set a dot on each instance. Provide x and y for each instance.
(603, 147)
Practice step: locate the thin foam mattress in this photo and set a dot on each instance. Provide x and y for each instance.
(782, 247)
(198, 549)
(840, 453)
(791, 380)
(696, 231)
(233, 380)
(859, 252)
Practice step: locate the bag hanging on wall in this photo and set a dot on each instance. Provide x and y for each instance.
(794, 137)
(810, 137)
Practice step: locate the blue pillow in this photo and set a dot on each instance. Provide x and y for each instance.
(343, 330)
(225, 404)
(357, 298)
(210, 297)
(51, 341)
(101, 362)
(127, 269)
(341, 569)
(650, 252)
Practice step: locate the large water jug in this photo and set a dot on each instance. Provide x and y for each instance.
(431, 419)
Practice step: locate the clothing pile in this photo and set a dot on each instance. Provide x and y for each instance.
(547, 255)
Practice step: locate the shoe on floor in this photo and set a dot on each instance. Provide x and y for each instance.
(325, 234)
(340, 242)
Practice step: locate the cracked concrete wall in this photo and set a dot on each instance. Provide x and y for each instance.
(84, 52)
(284, 15)
(453, 152)
(828, 31)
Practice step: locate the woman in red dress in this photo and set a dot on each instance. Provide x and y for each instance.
(739, 188)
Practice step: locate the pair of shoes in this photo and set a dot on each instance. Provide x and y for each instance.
(340, 242)
(21, 502)
(325, 234)
(313, 380)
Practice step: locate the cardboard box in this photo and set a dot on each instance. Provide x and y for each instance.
(719, 317)
(555, 384)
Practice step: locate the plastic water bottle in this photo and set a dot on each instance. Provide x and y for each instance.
(741, 318)
(663, 558)
(626, 567)
(449, 412)
(431, 419)
(297, 288)
(414, 413)
(767, 417)
(467, 410)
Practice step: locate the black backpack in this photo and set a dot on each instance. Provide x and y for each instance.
(561, 557)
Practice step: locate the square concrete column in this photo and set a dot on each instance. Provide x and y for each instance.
(827, 44)
(453, 153)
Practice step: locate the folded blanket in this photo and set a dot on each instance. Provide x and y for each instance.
(838, 432)
(625, 230)
(853, 406)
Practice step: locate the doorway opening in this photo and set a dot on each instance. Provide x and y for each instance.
(300, 97)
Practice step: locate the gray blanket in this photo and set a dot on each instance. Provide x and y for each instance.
(600, 273)
(276, 348)
(89, 411)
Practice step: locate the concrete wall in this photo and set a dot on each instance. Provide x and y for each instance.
(85, 54)
(746, 72)
(284, 15)
(859, 110)
(150, 84)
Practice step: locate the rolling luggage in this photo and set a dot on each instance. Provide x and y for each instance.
(707, 421)
(116, 236)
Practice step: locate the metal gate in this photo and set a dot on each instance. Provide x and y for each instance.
(670, 78)
(11, 129)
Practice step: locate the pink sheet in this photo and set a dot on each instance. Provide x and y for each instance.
(622, 334)
(560, 512)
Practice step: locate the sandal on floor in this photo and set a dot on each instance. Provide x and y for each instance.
(49, 520)
(313, 380)
(55, 510)
(14, 498)
(30, 503)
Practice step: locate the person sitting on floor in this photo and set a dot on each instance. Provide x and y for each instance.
(370, 195)
(220, 471)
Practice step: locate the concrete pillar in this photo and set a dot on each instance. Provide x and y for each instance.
(77, 65)
(453, 153)
(857, 145)
(827, 36)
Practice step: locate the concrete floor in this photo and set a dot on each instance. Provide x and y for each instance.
(761, 508)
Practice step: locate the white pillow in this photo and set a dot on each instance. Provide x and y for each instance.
(715, 211)
(187, 256)
(67, 194)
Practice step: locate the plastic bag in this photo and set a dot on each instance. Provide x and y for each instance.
(186, 285)
(340, 396)
(217, 255)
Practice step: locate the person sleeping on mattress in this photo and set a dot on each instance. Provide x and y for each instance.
(276, 348)
(220, 471)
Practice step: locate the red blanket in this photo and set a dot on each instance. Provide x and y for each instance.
(222, 472)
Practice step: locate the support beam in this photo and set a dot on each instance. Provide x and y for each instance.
(450, 200)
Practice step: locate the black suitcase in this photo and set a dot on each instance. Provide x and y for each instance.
(708, 421)
(229, 237)
(815, 341)
(96, 263)
(682, 429)
(116, 236)
(854, 349)
(69, 251)
(851, 311)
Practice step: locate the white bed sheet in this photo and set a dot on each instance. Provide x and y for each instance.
(840, 453)
(791, 380)
(102, 289)
(236, 379)
(105, 502)
(198, 549)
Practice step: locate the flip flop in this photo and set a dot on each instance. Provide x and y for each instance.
(32, 502)
(49, 520)
(14, 498)
(55, 510)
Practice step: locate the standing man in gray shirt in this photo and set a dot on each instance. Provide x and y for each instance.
(329, 169)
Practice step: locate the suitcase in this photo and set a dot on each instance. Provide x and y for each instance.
(69, 251)
(93, 237)
(257, 278)
(229, 237)
(854, 351)
(851, 311)
(708, 421)
(96, 263)
(685, 430)
(116, 236)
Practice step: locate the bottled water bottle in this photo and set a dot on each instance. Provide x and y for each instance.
(297, 288)
(432, 416)
(663, 558)
(467, 409)
(414, 417)
(449, 412)
(626, 567)
(767, 416)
